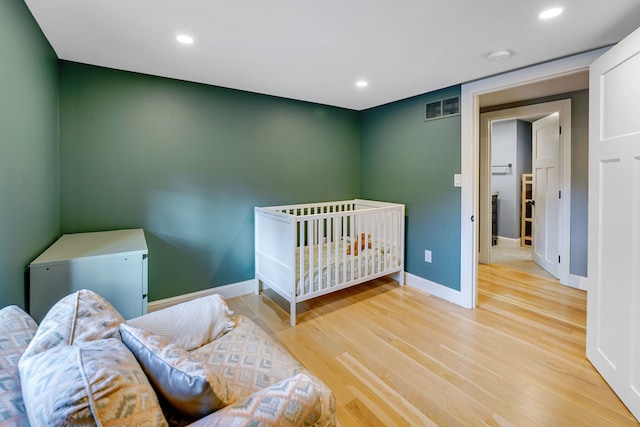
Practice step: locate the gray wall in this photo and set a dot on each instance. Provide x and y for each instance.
(510, 144)
(29, 188)
(579, 171)
(524, 158)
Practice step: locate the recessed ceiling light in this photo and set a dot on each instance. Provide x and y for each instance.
(550, 13)
(183, 38)
(362, 83)
(499, 55)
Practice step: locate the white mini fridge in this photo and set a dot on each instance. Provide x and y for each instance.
(111, 263)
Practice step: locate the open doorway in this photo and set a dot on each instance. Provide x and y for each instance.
(551, 185)
(524, 178)
(510, 90)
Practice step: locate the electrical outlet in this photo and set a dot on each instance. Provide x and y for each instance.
(427, 255)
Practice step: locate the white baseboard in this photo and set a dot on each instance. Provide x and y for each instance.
(227, 291)
(247, 287)
(508, 241)
(434, 289)
(578, 282)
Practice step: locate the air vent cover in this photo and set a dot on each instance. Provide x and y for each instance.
(442, 108)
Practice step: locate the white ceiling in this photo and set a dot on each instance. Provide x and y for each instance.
(317, 50)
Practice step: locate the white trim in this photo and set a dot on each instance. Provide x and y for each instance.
(227, 291)
(508, 241)
(469, 164)
(578, 282)
(470, 134)
(434, 289)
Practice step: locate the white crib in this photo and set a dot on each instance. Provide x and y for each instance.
(308, 250)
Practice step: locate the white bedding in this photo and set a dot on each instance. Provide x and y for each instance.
(367, 262)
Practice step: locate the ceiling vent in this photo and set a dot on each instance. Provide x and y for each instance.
(442, 108)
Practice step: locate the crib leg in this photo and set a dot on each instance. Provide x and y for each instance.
(399, 277)
(292, 314)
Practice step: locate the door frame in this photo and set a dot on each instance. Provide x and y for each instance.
(563, 108)
(470, 147)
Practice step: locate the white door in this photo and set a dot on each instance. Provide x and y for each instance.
(613, 298)
(546, 190)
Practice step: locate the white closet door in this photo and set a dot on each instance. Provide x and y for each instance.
(613, 299)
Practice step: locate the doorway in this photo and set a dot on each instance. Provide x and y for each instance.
(537, 81)
(555, 222)
(513, 201)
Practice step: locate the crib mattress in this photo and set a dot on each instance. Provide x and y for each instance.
(367, 262)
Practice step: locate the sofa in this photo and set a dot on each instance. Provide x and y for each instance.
(192, 364)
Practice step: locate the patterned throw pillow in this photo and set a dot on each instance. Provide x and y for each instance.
(93, 383)
(17, 329)
(248, 358)
(76, 371)
(182, 324)
(79, 317)
(290, 403)
(181, 380)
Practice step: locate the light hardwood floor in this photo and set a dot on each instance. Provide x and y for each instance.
(395, 356)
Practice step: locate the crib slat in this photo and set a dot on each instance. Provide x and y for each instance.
(320, 254)
(392, 238)
(389, 243)
(301, 226)
(364, 245)
(336, 249)
(377, 244)
(363, 229)
(343, 237)
(311, 244)
(396, 227)
(329, 238)
(353, 239)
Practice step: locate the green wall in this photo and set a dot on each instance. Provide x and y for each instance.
(85, 148)
(408, 160)
(188, 163)
(29, 209)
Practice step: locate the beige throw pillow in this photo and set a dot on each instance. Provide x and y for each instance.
(190, 324)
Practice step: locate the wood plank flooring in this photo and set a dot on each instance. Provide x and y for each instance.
(395, 356)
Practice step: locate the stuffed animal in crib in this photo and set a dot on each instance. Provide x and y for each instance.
(360, 244)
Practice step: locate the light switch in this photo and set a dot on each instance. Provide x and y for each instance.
(457, 180)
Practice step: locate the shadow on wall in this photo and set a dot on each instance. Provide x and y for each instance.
(197, 240)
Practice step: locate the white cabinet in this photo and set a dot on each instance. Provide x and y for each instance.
(111, 263)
